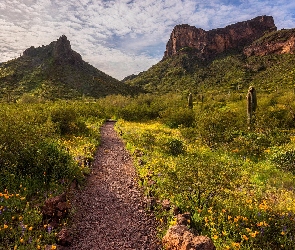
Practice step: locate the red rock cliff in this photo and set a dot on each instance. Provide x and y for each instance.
(207, 44)
(280, 42)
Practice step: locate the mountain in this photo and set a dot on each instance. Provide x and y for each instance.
(246, 53)
(56, 71)
(208, 44)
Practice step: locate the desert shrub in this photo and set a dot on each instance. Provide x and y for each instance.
(217, 127)
(28, 98)
(66, 120)
(174, 147)
(189, 134)
(136, 112)
(254, 144)
(146, 139)
(28, 149)
(284, 159)
(250, 144)
(269, 118)
(177, 116)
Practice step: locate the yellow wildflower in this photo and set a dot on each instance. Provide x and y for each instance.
(245, 237)
(249, 201)
(30, 228)
(21, 240)
(215, 237)
(53, 247)
(262, 223)
(5, 226)
(253, 235)
(236, 244)
(263, 206)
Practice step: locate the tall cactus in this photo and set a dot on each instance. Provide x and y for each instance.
(190, 100)
(251, 104)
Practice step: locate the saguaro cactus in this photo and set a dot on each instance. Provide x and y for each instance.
(251, 104)
(190, 100)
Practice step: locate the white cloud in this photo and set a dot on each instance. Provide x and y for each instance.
(121, 37)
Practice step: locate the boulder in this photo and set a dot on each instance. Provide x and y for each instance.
(55, 209)
(179, 237)
(64, 238)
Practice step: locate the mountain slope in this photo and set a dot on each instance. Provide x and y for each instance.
(56, 71)
(266, 61)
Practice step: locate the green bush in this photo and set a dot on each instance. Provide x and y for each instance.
(217, 127)
(285, 160)
(66, 120)
(174, 147)
(177, 116)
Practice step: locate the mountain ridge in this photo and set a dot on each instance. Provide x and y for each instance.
(224, 62)
(208, 44)
(56, 71)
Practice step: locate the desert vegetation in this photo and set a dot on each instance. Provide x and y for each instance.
(44, 148)
(237, 183)
(196, 145)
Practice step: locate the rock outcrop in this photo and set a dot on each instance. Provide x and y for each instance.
(60, 50)
(280, 42)
(179, 237)
(55, 209)
(207, 44)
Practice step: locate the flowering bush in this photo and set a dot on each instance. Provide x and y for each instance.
(38, 162)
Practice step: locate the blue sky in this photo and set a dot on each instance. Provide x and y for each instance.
(122, 37)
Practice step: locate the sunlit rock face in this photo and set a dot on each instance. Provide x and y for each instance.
(207, 44)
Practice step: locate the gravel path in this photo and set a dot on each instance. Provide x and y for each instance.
(110, 212)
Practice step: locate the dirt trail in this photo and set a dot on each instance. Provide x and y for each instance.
(110, 212)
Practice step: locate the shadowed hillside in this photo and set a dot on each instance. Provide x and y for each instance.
(55, 71)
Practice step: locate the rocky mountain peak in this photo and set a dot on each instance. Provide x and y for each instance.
(60, 50)
(207, 44)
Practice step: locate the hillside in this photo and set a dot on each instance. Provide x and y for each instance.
(253, 52)
(55, 71)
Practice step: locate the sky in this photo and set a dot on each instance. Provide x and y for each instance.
(122, 37)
